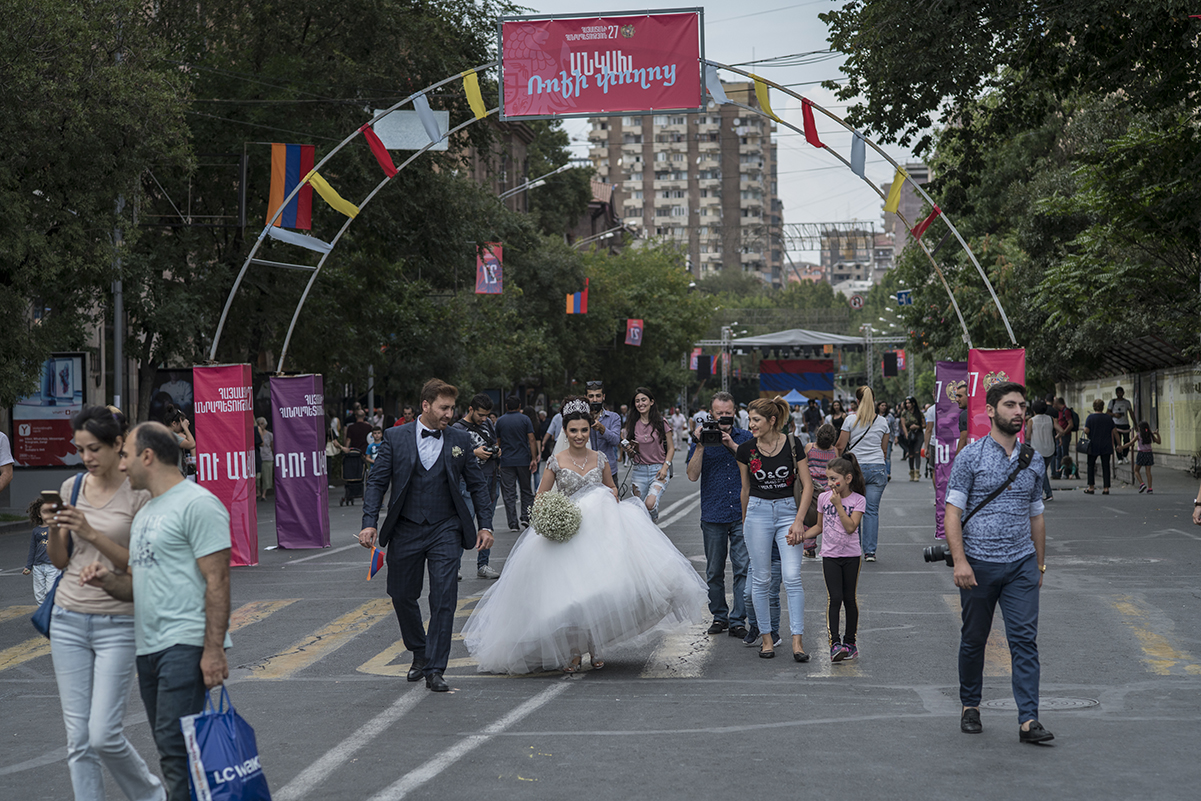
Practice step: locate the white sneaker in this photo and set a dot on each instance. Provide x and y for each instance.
(487, 572)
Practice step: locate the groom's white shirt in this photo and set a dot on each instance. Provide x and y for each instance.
(428, 448)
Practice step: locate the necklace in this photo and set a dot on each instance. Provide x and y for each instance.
(773, 447)
(582, 466)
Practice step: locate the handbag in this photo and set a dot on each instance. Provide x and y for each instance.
(41, 618)
(223, 757)
(1082, 445)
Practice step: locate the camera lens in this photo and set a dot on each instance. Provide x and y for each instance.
(938, 553)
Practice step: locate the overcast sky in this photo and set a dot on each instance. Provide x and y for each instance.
(813, 185)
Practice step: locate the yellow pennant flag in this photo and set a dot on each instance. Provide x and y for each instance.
(764, 102)
(471, 85)
(331, 196)
(893, 201)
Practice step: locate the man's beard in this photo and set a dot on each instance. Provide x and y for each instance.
(1008, 426)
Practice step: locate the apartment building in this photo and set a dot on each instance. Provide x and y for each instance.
(705, 180)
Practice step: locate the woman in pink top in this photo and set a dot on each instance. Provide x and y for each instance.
(841, 508)
(649, 448)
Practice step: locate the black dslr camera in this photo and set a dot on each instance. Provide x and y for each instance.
(938, 553)
(711, 430)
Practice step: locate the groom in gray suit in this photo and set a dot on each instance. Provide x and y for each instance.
(427, 521)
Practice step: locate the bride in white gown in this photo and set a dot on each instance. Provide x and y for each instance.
(618, 578)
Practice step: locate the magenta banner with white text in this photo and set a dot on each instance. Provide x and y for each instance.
(947, 377)
(225, 450)
(986, 367)
(301, 485)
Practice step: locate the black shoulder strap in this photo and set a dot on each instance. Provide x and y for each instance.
(1025, 454)
(851, 447)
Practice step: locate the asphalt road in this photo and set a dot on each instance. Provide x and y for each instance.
(317, 669)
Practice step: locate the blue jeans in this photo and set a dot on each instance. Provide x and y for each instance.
(482, 555)
(773, 594)
(1047, 476)
(768, 522)
(876, 479)
(722, 539)
(642, 476)
(172, 687)
(94, 664)
(1013, 585)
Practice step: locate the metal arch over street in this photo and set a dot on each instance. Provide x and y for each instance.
(279, 211)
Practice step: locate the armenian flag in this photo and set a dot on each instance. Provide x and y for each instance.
(577, 302)
(290, 165)
(377, 561)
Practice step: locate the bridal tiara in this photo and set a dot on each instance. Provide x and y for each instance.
(571, 407)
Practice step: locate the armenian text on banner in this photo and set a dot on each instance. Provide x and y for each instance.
(489, 278)
(813, 378)
(947, 378)
(986, 367)
(301, 484)
(289, 166)
(579, 66)
(633, 332)
(224, 410)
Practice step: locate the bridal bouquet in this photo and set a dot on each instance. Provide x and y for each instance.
(555, 517)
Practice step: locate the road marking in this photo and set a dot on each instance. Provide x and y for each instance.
(682, 513)
(430, 770)
(996, 651)
(381, 663)
(253, 612)
(1160, 656)
(679, 503)
(24, 652)
(334, 758)
(1178, 531)
(1115, 510)
(13, 612)
(682, 655)
(322, 642)
(320, 555)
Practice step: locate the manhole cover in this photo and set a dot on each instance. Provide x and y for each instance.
(1057, 704)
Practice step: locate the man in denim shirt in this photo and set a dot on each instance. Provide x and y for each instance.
(721, 516)
(999, 558)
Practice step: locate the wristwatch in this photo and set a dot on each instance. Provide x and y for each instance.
(1042, 568)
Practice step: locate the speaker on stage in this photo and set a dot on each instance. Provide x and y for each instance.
(890, 364)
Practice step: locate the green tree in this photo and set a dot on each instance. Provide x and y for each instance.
(558, 206)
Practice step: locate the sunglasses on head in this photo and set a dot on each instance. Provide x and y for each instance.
(595, 385)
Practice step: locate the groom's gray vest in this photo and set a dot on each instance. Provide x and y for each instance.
(428, 498)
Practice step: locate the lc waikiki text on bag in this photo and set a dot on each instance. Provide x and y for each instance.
(223, 758)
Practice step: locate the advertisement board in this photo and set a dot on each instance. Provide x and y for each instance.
(584, 65)
(301, 484)
(42, 434)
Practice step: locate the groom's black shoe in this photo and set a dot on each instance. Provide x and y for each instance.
(416, 670)
(435, 682)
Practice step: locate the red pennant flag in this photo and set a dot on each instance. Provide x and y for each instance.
(810, 125)
(921, 227)
(377, 148)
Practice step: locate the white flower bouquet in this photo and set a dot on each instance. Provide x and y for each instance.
(555, 517)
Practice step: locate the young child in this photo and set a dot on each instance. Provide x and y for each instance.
(38, 561)
(1067, 468)
(840, 509)
(1144, 455)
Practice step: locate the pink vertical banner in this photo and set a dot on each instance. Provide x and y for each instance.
(986, 367)
(947, 377)
(225, 450)
(301, 484)
(489, 276)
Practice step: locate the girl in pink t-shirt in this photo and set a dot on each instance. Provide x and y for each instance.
(840, 509)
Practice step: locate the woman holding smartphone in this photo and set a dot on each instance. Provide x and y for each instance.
(649, 447)
(91, 633)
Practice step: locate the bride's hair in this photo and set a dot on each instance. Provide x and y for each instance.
(575, 408)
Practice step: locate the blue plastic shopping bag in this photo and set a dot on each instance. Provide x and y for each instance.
(223, 759)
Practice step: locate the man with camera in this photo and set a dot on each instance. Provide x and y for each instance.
(997, 549)
(483, 445)
(606, 425)
(711, 460)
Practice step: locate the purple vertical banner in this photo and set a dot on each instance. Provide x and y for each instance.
(947, 376)
(301, 485)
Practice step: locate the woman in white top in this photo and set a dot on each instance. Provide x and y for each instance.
(867, 435)
(1040, 433)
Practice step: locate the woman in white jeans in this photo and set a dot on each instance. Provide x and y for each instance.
(91, 634)
(650, 449)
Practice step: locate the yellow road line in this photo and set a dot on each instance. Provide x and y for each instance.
(1161, 657)
(20, 654)
(253, 612)
(996, 652)
(323, 642)
(12, 612)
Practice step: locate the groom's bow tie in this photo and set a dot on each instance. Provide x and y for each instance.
(425, 432)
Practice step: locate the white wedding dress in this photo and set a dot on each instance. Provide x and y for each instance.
(617, 579)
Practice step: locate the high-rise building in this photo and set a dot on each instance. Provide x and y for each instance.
(705, 180)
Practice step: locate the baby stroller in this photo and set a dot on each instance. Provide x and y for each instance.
(352, 475)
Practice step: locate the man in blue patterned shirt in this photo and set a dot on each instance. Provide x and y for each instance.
(721, 516)
(998, 558)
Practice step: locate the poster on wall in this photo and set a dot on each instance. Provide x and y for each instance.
(986, 367)
(42, 431)
(225, 451)
(576, 66)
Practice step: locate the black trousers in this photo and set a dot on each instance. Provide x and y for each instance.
(842, 577)
(412, 546)
(1092, 468)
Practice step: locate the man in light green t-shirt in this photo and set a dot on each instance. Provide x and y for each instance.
(178, 580)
